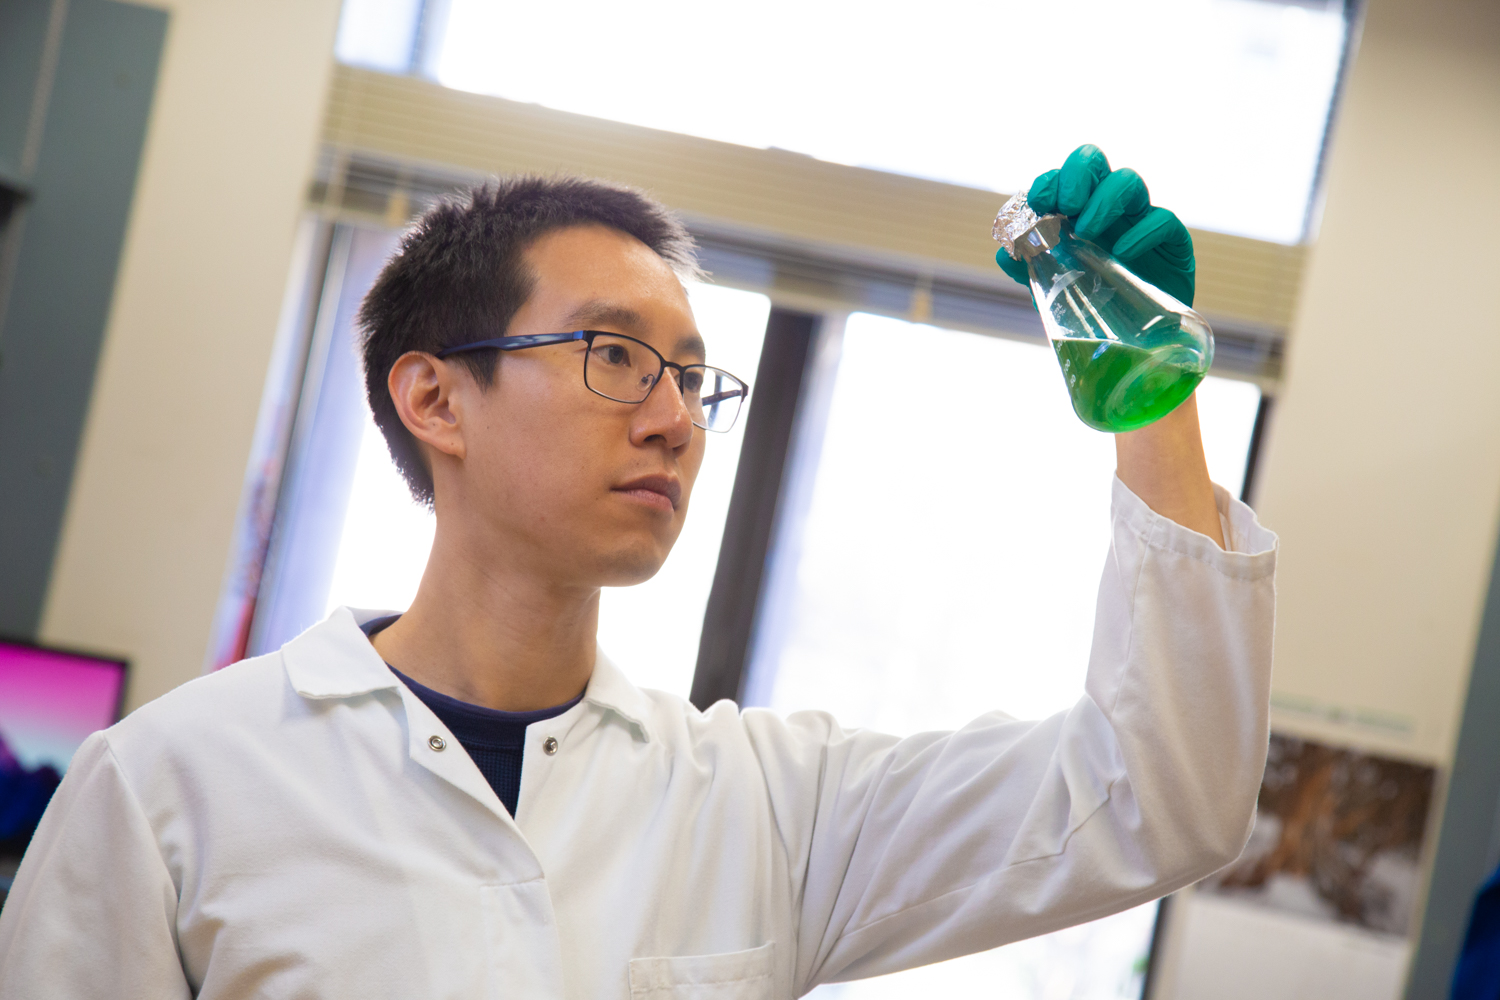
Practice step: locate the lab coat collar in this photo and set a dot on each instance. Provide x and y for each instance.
(610, 689)
(334, 659)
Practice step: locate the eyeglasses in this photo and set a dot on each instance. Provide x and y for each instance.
(625, 370)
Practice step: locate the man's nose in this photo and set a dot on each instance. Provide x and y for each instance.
(664, 414)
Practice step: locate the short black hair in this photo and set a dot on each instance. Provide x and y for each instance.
(459, 276)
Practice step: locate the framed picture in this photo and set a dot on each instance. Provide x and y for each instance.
(1338, 835)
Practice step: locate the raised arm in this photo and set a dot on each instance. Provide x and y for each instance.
(917, 850)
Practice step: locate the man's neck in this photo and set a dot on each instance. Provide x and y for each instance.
(493, 636)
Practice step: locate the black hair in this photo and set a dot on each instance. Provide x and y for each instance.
(459, 276)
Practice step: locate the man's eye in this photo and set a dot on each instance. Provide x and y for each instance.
(692, 382)
(612, 354)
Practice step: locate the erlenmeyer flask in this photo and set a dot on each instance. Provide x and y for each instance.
(1130, 353)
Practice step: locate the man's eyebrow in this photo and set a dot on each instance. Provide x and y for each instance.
(598, 311)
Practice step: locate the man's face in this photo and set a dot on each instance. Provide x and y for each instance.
(582, 490)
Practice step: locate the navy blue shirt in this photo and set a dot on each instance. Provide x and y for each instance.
(495, 740)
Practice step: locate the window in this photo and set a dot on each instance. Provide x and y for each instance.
(1221, 104)
(943, 517)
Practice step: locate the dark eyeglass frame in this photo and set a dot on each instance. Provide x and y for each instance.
(520, 342)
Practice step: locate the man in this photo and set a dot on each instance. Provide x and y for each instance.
(469, 800)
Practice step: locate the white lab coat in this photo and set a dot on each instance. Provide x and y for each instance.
(285, 827)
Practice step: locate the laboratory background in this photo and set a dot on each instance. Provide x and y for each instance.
(195, 194)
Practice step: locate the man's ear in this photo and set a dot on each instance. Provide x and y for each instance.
(424, 390)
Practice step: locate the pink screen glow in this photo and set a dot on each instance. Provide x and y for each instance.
(50, 702)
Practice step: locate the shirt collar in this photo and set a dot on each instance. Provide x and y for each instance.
(334, 659)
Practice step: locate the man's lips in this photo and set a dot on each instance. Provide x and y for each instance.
(662, 492)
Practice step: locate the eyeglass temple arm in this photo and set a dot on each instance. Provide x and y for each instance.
(517, 342)
(719, 397)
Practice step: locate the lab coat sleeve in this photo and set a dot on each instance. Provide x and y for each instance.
(910, 851)
(92, 913)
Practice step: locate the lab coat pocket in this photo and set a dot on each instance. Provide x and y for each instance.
(734, 975)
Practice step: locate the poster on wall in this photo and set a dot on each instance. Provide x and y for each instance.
(1338, 836)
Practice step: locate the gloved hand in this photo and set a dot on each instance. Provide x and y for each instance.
(1113, 209)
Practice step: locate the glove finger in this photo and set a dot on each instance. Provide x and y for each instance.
(1083, 170)
(1042, 195)
(1161, 231)
(1015, 268)
(1122, 194)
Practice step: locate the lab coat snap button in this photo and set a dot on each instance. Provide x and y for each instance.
(549, 746)
(436, 742)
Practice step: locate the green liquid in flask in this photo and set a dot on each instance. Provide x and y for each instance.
(1117, 387)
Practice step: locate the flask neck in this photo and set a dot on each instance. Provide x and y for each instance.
(1046, 234)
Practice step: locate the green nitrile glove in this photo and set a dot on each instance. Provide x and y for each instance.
(1114, 210)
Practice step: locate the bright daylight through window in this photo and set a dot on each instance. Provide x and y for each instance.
(957, 525)
(1220, 104)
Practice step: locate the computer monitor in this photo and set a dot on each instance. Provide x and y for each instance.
(50, 701)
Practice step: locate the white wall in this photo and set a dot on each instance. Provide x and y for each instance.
(229, 150)
(1382, 473)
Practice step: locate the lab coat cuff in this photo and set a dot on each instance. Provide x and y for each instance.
(1250, 549)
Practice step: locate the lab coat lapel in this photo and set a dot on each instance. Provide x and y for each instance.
(431, 745)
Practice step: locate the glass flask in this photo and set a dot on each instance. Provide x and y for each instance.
(1130, 353)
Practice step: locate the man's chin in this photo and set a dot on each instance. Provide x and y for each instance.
(626, 569)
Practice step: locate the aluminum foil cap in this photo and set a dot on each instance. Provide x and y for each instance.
(1015, 219)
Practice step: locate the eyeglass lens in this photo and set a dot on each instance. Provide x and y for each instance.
(626, 370)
